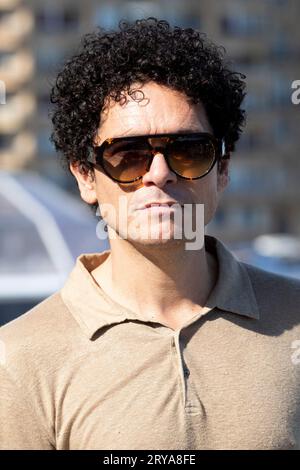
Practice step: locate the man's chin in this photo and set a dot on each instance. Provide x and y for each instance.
(159, 242)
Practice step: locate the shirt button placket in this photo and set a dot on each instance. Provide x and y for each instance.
(182, 368)
(191, 401)
(186, 372)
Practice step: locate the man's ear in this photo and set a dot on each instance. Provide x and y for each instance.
(223, 174)
(86, 182)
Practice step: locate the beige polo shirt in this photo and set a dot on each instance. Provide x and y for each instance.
(80, 371)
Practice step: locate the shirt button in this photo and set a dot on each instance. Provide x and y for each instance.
(186, 372)
(173, 342)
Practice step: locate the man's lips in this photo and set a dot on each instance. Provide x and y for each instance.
(158, 204)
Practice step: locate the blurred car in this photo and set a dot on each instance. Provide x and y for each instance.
(277, 252)
(43, 229)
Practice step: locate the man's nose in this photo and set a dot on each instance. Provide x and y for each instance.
(159, 173)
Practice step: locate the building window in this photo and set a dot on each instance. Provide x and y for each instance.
(44, 102)
(242, 24)
(109, 14)
(106, 15)
(280, 92)
(249, 180)
(49, 59)
(45, 146)
(53, 20)
(5, 141)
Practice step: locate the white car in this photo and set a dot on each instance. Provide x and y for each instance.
(43, 229)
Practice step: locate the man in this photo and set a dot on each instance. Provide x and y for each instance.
(150, 345)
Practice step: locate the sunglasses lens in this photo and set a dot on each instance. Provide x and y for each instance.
(126, 160)
(191, 158)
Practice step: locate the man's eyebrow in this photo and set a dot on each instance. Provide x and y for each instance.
(178, 131)
(187, 131)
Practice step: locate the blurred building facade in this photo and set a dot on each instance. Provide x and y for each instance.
(261, 37)
(18, 106)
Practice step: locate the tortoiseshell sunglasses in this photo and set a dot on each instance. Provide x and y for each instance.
(189, 155)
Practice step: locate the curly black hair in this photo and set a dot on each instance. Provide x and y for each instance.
(109, 62)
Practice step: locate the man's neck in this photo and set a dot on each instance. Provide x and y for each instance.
(164, 284)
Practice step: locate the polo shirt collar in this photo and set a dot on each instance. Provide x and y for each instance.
(93, 308)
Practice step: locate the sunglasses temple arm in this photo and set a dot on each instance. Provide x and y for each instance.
(91, 156)
(224, 154)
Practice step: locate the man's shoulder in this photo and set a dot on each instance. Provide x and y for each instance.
(42, 332)
(43, 314)
(275, 292)
(268, 279)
